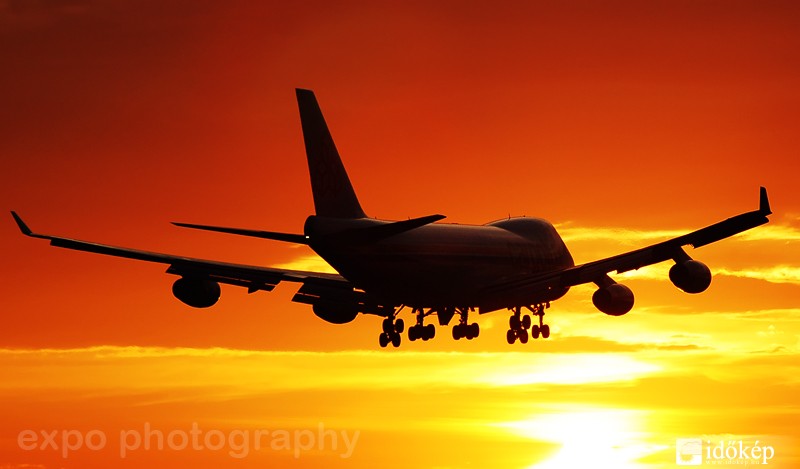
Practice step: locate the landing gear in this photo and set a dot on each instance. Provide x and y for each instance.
(420, 330)
(518, 324)
(464, 329)
(392, 328)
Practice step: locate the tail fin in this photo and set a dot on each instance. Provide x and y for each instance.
(333, 194)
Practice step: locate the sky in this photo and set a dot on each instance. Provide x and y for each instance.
(624, 123)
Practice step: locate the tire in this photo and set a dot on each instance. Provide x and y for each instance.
(513, 322)
(430, 331)
(383, 340)
(511, 337)
(535, 331)
(399, 326)
(526, 322)
(412, 333)
(523, 336)
(388, 327)
(546, 331)
(474, 329)
(395, 340)
(457, 332)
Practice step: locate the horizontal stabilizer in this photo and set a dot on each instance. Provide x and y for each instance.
(287, 237)
(373, 234)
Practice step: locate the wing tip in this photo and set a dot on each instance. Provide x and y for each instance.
(21, 224)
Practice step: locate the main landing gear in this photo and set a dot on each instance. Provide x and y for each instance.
(464, 329)
(392, 328)
(420, 330)
(519, 325)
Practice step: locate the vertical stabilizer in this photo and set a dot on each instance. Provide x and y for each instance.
(333, 194)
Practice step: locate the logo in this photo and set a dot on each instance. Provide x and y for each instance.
(689, 451)
(695, 451)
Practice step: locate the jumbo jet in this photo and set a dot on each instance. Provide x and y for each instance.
(432, 269)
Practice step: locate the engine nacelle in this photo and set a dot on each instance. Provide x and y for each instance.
(614, 299)
(690, 276)
(335, 313)
(196, 292)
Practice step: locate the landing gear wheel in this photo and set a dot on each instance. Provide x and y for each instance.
(514, 322)
(511, 337)
(395, 340)
(474, 329)
(388, 326)
(412, 333)
(545, 331)
(429, 332)
(523, 336)
(526, 322)
(457, 332)
(399, 326)
(383, 340)
(535, 331)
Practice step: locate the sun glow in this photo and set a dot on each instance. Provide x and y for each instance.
(592, 437)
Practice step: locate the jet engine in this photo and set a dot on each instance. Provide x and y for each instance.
(335, 313)
(690, 276)
(196, 292)
(614, 299)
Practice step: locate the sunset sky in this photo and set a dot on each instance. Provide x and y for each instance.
(624, 123)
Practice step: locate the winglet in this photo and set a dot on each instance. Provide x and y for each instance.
(21, 224)
(763, 203)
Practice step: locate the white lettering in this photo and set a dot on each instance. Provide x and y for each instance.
(350, 444)
(90, 437)
(124, 443)
(242, 448)
(26, 440)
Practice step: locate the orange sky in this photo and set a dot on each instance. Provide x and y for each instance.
(622, 122)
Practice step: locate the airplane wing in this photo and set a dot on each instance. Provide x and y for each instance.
(597, 271)
(331, 288)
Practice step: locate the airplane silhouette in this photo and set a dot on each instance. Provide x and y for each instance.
(440, 270)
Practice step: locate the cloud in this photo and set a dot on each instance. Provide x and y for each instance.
(310, 262)
(770, 232)
(777, 274)
(571, 233)
(773, 274)
(265, 371)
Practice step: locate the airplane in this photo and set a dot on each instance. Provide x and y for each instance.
(444, 270)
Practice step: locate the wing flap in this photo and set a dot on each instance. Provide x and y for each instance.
(314, 292)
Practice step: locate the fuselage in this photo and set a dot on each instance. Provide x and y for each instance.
(441, 265)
